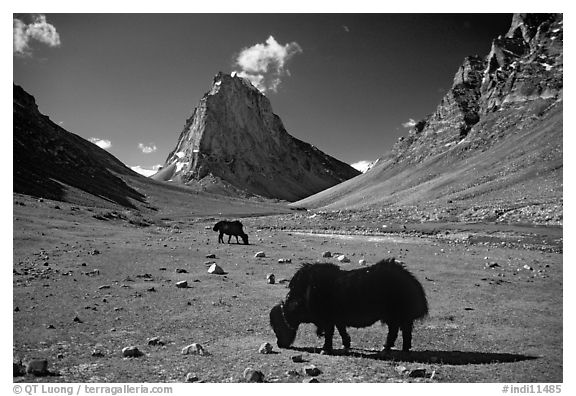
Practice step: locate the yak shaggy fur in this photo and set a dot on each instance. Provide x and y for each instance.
(230, 228)
(329, 297)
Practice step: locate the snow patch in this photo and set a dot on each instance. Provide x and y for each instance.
(180, 154)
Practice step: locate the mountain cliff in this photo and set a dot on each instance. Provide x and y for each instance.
(234, 140)
(53, 163)
(493, 146)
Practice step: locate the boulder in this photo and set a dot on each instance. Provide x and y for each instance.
(265, 348)
(252, 375)
(271, 279)
(38, 367)
(194, 349)
(131, 351)
(216, 269)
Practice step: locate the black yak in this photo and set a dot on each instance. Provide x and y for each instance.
(329, 297)
(230, 228)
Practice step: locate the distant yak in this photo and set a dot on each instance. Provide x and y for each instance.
(329, 297)
(230, 228)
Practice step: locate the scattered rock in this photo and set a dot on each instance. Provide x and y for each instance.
(77, 320)
(298, 359)
(38, 367)
(400, 369)
(311, 370)
(362, 262)
(194, 349)
(271, 279)
(216, 269)
(265, 348)
(310, 380)
(181, 271)
(252, 375)
(284, 260)
(527, 267)
(417, 373)
(95, 252)
(131, 351)
(97, 352)
(182, 284)
(260, 254)
(292, 373)
(211, 255)
(155, 341)
(492, 264)
(50, 326)
(104, 287)
(18, 369)
(191, 377)
(343, 259)
(326, 254)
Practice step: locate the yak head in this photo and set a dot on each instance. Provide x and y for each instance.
(217, 226)
(282, 322)
(244, 239)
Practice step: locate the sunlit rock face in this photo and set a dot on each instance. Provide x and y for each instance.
(234, 138)
(523, 66)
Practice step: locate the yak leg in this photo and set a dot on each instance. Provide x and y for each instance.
(406, 336)
(392, 335)
(229, 237)
(328, 334)
(237, 242)
(345, 336)
(221, 237)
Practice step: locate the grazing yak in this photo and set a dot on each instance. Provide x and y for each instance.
(329, 297)
(230, 228)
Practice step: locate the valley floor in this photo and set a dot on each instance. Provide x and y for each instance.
(89, 282)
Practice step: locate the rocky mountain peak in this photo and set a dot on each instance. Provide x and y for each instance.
(234, 140)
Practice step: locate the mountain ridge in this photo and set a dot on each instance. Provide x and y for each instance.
(494, 142)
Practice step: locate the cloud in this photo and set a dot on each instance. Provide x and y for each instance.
(147, 149)
(362, 166)
(102, 143)
(38, 29)
(146, 171)
(409, 124)
(265, 64)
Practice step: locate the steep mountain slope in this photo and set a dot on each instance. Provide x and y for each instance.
(52, 163)
(234, 140)
(494, 144)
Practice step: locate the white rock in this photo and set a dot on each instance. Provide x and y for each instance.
(343, 259)
(194, 349)
(131, 351)
(215, 269)
(265, 348)
(362, 262)
(271, 279)
(182, 284)
(260, 254)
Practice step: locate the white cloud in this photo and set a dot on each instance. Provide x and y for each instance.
(409, 124)
(362, 166)
(146, 171)
(102, 143)
(147, 149)
(39, 29)
(264, 64)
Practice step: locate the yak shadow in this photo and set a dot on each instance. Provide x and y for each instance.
(430, 357)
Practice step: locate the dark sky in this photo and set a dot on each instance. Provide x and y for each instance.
(134, 78)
